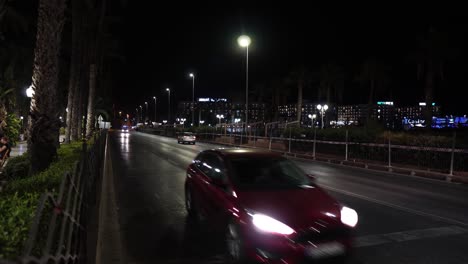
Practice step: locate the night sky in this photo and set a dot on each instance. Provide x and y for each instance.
(164, 43)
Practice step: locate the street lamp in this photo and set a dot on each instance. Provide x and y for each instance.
(244, 41)
(312, 117)
(29, 92)
(154, 97)
(322, 110)
(193, 97)
(141, 113)
(220, 117)
(168, 104)
(146, 103)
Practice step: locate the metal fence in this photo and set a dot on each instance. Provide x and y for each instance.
(58, 231)
(448, 160)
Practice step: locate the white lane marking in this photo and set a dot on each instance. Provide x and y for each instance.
(402, 208)
(373, 240)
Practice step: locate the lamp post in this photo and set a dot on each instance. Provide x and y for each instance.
(244, 41)
(141, 113)
(146, 115)
(220, 117)
(154, 97)
(312, 117)
(168, 104)
(193, 97)
(322, 110)
(138, 116)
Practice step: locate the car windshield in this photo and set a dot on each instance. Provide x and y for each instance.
(267, 173)
(188, 134)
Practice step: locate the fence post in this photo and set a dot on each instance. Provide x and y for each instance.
(289, 140)
(346, 151)
(242, 132)
(389, 154)
(449, 178)
(269, 147)
(255, 138)
(315, 139)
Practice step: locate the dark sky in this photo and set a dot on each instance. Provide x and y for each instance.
(164, 43)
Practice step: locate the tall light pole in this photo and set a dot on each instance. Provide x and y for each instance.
(312, 117)
(141, 113)
(220, 117)
(193, 97)
(154, 97)
(138, 117)
(244, 41)
(168, 105)
(322, 110)
(146, 115)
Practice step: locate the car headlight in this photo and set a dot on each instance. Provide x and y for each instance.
(349, 216)
(270, 225)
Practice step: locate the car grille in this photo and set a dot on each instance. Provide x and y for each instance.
(316, 235)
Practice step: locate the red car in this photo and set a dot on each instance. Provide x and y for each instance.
(269, 209)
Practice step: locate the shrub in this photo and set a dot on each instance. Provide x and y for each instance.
(16, 215)
(17, 167)
(19, 200)
(12, 129)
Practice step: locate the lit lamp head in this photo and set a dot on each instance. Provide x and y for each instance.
(244, 41)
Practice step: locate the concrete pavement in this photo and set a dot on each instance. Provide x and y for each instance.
(403, 219)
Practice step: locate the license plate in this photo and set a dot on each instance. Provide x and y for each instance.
(325, 250)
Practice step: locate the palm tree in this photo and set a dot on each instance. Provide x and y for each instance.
(331, 82)
(373, 76)
(431, 57)
(300, 77)
(93, 71)
(44, 130)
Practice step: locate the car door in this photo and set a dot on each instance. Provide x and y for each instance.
(218, 193)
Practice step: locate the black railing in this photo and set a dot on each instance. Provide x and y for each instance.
(59, 228)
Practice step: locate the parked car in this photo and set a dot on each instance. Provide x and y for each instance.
(268, 209)
(186, 137)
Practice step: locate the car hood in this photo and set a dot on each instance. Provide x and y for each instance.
(298, 208)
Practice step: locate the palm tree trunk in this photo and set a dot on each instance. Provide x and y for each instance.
(92, 93)
(328, 93)
(300, 87)
(429, 90)
(371, 101)
(74, 71)
(44, 130)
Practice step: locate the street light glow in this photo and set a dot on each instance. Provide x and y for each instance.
(244, 41)
(29, 92)
(325, 107)
(319, 107)
(168, 90)
(191, 75)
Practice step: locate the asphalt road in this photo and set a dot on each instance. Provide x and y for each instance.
(403, 219)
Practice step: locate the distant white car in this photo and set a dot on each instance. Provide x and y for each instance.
(125, 129)
(186, 137)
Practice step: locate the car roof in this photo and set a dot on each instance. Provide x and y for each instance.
(236, 152)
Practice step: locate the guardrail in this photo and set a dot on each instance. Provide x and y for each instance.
(450, 161)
